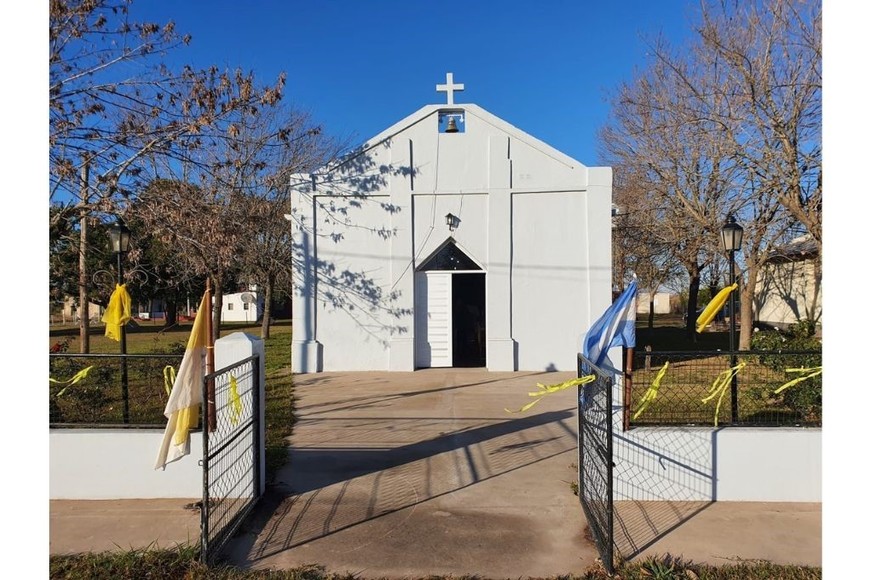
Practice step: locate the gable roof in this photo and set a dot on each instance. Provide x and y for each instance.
(469, 108)
(800, 248)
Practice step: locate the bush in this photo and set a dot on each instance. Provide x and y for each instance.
(805, 397)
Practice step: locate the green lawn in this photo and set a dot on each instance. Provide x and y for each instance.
(99, 396)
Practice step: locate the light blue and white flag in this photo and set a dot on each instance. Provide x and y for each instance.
(615, 328)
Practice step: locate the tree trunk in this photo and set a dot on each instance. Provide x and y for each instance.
(652, 312)
(84, 298)
(813, 313)
(171, 313)
(692, 314)
(747, 285)
(217, 308)
(265, 329)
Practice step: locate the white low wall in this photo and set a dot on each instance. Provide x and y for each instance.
(774, 464)
(119, 464)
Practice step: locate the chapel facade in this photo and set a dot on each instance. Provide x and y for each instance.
(451, 239)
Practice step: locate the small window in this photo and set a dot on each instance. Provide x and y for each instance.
(246, 306)
(230, 306)
(449, 257)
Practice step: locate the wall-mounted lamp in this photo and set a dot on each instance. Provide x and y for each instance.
(452, 221)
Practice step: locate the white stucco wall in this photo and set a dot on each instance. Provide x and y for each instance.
(777, 464)
(119, 464)
(549, 267)
(787, 292)
(535, 220)
(727, 464)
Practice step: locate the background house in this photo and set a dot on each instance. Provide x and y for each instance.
(244, 306)
(790, 285)
(661, 302)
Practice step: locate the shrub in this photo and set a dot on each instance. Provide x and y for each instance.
(806, 396)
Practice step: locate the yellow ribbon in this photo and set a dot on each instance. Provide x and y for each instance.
(235, 400)
(168, 378)
(809, 373)
(714, 307)
(544, 390)
(117, 313)
(652, 392)
(79, 376)
(720, 386)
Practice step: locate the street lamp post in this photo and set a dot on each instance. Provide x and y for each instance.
(119, 235)
(732, 239)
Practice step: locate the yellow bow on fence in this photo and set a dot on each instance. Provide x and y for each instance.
(168, 378)
(544, 390)
(79, 376)
(808, 374)
(235, 401)
(652, 392)
(720, 386)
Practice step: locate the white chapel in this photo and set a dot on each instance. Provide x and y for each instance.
(451, 239)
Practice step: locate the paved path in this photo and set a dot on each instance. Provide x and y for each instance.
(417, 474)
(411, 474)
(121, 524)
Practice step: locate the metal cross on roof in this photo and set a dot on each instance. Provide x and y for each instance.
(449, 88)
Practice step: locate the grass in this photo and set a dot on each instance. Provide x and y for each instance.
(689, 379)
(279, 401)
(182, 563)
(86, 401)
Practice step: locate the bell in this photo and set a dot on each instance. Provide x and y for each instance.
(451, 126)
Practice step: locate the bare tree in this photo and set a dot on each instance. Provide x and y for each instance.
(728, 126)
(113, 107)
(285, 144)
(771, 51)
(676, 166)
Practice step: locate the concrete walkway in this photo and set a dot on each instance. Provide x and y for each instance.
(417, 474)
(412, 474)
(77, 526)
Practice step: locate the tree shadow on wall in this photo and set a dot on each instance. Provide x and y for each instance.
(352, 211)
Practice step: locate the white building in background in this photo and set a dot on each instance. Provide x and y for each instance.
(450, 239)
(789, 286)
(661, 302)
(242, 306)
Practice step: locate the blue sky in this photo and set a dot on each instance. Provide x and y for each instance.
(359, 67)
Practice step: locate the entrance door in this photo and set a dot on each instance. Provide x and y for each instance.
(450, 310)
(469, 319)
(439, 310)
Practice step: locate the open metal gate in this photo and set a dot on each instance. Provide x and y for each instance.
(595, 462)
(231, 452)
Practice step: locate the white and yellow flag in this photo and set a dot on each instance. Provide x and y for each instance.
(185, 399)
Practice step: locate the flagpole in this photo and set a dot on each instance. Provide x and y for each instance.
(626, 392)
(209, 364)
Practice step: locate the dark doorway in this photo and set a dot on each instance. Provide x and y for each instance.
(469, 320)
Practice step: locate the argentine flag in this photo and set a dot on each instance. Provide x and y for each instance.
(614, 328)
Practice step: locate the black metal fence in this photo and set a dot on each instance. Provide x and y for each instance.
(231, 452)
(595, 457)
(112, 389)
(686, 394)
